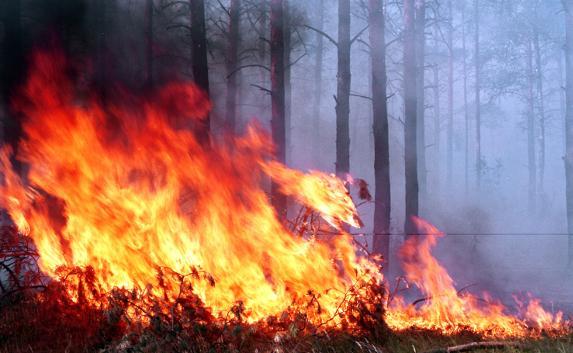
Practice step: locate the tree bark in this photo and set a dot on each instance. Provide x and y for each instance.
(318, 84)
(149, 43)
(479, 162)
(541, 109)
(278, 125)
(569, 121)
(531, 162)
(11, 72)
(450, 152)
(381, 241)
(343, 91)
(100, 62)
(420, 28)
(199, 64)
(410, 105)
(466, 107)
(437, 128)
(288, 91)
(231, 65)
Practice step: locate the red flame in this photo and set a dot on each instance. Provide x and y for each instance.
(135, 193)
(446, 310)
(125, 188)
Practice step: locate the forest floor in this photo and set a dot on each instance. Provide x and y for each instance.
(422, 342)
(410, 342)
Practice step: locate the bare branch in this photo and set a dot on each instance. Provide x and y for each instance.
(297, 60)
(227, 11)
(262, 88)
(361, 41)
(358, 35)
(180, 25)
(174, 3)
(246, 66)
(323, 34)
(360, 96)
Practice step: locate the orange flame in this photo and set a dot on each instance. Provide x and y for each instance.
(126, 189)
(446, 310)
(131, 194)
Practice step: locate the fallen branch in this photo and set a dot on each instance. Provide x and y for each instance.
(477, 345)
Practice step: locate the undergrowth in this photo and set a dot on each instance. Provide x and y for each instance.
(72, 313)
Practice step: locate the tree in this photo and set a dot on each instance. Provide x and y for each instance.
(12, 68)
(437, 124)
(569, 121)
(420, 48)
(231, 63)
(479, 162)
(466, 107)
(343, 90)
(381, 241)
(410, 117)
(278, 123)
(541, 102)
(450, 146)
(101, 46)
(149, 43)
(199, 64)
(531, 160)
(318, 82)
(287, 69)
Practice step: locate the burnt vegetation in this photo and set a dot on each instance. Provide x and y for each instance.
(72, 313)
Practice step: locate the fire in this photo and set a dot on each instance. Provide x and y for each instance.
(446, 310)
(125, 189)
(132, 193)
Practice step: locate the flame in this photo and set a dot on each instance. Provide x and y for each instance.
(125, 189)
(447, 311)
(132, 193)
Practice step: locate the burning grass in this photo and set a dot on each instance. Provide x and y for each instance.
(74, 313)
(141, 239)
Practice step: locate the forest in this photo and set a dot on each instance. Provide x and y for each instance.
(286, 175)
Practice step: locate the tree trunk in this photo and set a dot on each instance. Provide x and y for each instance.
(262, 51)
(278, 127)
(200, 66)
(531, 162)
(12, 70)
(288, 91)
(420, 28)
(318, 85)
(410, 105)
(381, 241)
(437, 128)
(149, 43)
(562, 104)
(541, 108)
(466, 108)
(479, 162)
(343, 91)
(100, 69)
(450, 152)
(569, 121)
(231, 65)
